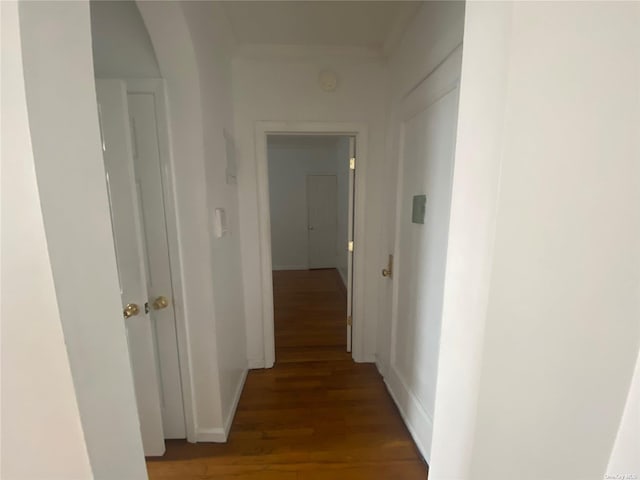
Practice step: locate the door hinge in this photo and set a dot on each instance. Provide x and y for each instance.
(352, 163)
(350, 246)
(349, 320)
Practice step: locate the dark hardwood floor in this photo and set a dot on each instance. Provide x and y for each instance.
(315, 415)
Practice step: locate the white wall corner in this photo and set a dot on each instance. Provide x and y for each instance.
(228, 421)
(221, 434)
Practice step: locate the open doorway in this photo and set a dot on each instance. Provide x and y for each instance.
(311, 191)
(307, 176)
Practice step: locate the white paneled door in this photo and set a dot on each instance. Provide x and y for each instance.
(322, 196)
(427, 130)
(128, 239)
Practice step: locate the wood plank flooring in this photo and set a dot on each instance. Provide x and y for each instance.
(315, 415)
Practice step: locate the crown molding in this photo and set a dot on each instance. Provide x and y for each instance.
(398, 29)
(305, 53)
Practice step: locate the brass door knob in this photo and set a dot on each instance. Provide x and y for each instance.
(387, 272)
(160, 303)
(130, 310)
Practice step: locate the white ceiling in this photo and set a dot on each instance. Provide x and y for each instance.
(363, 24)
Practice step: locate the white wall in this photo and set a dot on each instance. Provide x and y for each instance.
(279, 89)
(195, 62)
(562, 330)
(471, 230)
(434, 33)
(63, 120)
(291, 159)
(179, 69)
(121, 44)
(561, 285)
(38, 397)
(212, 39)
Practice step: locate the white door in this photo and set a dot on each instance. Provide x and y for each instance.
(125, 217)
(322, 207)
(427, 140)
(149, 179)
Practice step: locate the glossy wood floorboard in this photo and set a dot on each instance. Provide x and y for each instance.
(315, 415)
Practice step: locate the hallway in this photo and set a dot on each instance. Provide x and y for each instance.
(315, 415)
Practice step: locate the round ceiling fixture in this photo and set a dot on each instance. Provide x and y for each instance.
(328, 80)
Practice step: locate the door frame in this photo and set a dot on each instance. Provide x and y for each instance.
(157, 87)
(358, 130)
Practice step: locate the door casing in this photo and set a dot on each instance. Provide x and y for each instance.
(357, 130)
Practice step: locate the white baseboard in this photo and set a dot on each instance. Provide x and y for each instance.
(215, 435)
(365, 359)
(256, 363)
(343, 275)
(416, 418)
(220, 435)
(234, 404)
(381, 366)
(289, 267)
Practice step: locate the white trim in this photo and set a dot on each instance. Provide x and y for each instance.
(343, 276)
(212, 435)
(398, 28)
(220, 435)
(382, 368)
(234, 404)
(416, 418)
(290, 267)
(305, 53)
(256, 363)
(359, 130)
(167, 159)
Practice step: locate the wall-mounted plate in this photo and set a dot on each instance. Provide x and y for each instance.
(419, 209)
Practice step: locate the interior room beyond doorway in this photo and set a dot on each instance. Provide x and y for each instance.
(311, 210)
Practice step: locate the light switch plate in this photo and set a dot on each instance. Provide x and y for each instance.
(219, 223)
(419, 209)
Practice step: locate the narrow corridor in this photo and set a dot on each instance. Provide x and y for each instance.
(315, 415)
